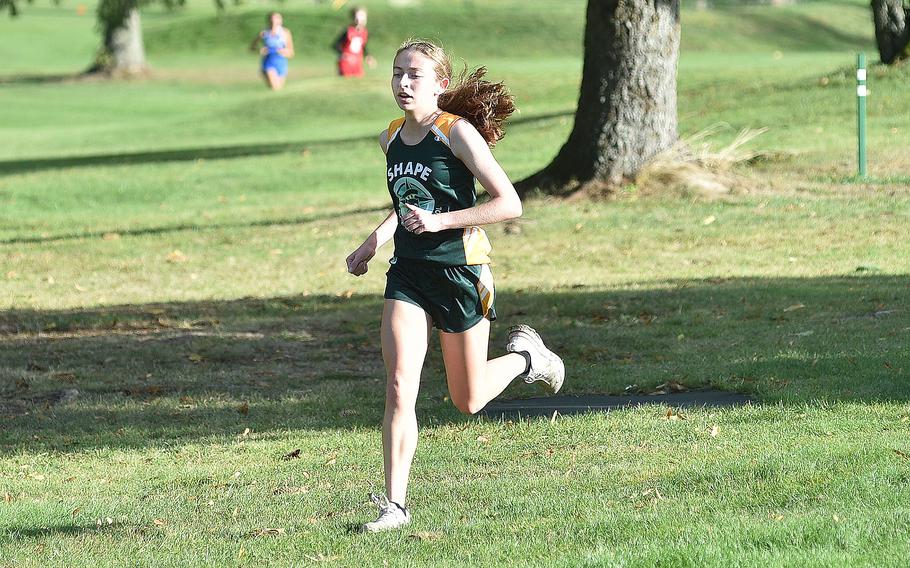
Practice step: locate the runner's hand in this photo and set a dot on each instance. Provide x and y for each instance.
(420, 221)
(357, 260)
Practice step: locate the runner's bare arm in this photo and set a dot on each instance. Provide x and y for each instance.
(288, 51)
(357, 261)
(469, 146)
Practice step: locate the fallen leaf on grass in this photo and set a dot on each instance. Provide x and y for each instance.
(244, 408)
(104, 521)
(331, 459)
(159, 522)
(714, 431)
(655, 491)
(425, 535)
(292, 455)
(176, 256)
(673, 415)
(8, 497)
(75, 512)
(647, 497)
(483, 439)
(65, 377)
(708, 220)
(794, 307)
(110, 236)
(669, 387)
(904, 455)
(196, 357)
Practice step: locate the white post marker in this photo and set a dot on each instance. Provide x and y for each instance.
(861, 112)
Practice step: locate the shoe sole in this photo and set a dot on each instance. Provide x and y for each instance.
(553, 357)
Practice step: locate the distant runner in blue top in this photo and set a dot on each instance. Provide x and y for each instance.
(277, 47)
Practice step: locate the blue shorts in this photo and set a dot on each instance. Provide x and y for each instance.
(277, 62)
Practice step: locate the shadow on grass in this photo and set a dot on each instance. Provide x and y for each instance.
(159, 374)
(195, 227)
(20, 533)
(803, 32)
(40, 79)
(9, 167)
(800, 31)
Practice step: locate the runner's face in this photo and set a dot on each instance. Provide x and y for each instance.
(276, 20)
(360, 18)
(414, 82)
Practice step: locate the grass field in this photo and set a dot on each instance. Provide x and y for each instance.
(176, 316)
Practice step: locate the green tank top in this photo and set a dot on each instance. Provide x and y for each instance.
(429, 176)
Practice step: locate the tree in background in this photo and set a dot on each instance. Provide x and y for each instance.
(122, 52)
(626, 110)
(892, 29)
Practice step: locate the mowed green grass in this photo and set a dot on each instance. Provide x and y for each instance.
(172, 248)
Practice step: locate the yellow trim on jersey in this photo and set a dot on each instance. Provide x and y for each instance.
(446, 121)
(477, 246)
(485, 288)
(394, 129)
(442, 127)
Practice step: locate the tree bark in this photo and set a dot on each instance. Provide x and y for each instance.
(122, 51)
(892, 29)
(626, 110)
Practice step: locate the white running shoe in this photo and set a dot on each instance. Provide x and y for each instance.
(391, 515)
(545, 366)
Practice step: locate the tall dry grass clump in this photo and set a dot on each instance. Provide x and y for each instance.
(693, 167)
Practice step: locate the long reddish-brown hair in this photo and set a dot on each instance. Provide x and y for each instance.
(484, 104)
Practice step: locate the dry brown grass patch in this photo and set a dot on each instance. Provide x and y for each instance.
(693, 167)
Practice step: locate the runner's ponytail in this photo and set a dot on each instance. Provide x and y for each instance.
(484, 104)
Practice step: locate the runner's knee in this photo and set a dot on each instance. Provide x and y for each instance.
(467, 404)
(401, 392)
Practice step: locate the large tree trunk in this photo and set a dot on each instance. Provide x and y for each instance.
(627, 104)
(122, 52)
(892, 29)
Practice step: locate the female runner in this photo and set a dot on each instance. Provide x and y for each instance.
(440, 274)
(277, 47)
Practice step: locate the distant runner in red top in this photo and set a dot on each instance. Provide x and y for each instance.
(351, 46)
